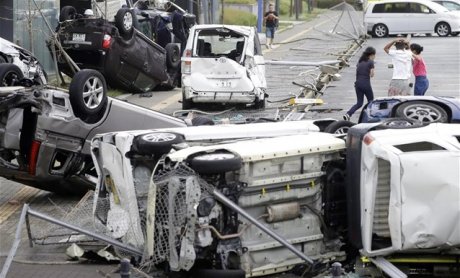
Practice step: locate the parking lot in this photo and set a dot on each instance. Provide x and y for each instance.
(305, 42)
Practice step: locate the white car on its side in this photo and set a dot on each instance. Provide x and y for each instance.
(23, 64)
(392, 17)
(223, 64)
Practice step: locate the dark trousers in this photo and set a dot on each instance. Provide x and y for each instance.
(361, 91)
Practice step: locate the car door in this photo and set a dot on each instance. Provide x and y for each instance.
(423, 18)
(400, 18)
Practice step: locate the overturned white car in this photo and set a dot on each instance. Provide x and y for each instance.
(223, 64)
(246, 207)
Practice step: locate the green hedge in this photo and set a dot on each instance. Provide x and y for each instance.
(237, 17)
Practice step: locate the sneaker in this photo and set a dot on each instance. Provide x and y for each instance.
(346, 117)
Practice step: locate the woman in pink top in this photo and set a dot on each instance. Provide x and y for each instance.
(419, 69)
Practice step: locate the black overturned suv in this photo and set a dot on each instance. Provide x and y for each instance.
(136, 50)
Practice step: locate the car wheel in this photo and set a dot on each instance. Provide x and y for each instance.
(201, 120)
(186, 103)
(424, 112)
(442, 29)
(380, 30)
(67, 13)
(398, 123)
(215, 163)
(172, 55)
(10, 75)
(124, 21)
(454, 34)
(156, 143)
(339, 127)
(88, 95)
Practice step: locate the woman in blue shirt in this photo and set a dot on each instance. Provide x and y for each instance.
(364, 72)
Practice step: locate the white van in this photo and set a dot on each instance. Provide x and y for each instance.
(223, 64)
(392, 17)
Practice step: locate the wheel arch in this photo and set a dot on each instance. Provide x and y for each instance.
(441, 104)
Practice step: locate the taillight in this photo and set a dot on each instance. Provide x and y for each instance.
(33, 156)
(368, 139)
(187, 65)
(106, 42)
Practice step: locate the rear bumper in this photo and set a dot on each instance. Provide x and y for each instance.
(223, 97)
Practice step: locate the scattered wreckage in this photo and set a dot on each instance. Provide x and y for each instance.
(254, 207)
(23, 64)
(137, 50)
(223, 64)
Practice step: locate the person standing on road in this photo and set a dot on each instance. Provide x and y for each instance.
(271, 22)
(364, 72)
(401, 58)
(419, 69)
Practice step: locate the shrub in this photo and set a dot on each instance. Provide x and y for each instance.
(237, 17)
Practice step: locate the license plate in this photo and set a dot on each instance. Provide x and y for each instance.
(78, 37)
(224, 84)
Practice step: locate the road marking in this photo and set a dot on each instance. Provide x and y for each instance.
(167, 102)
(21, 197)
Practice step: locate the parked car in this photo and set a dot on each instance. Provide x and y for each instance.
(392, 17)
(198, 208)
(25, 65)
(451, 5)
(45, 132)
(223, 64)
(414, 109)
(137, 50)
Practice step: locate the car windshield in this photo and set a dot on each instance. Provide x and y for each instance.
(222, 42)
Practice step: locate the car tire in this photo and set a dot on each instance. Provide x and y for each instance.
(442, 29)
(172, 55)
(187, 104)
(67, 13)
(156, 143)
(422, 111)
(201, 120)
(397, 123)
(215, 163)
(380, 31)
(88, 95)
(125, 21)
(339, 127)
(10, 74)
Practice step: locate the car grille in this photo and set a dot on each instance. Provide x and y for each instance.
(382, 200)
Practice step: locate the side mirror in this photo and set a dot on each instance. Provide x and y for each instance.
(145, 14)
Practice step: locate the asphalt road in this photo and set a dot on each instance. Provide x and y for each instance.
(311, 41)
